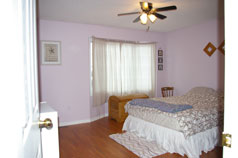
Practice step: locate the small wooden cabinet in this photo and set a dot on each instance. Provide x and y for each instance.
(116, 105)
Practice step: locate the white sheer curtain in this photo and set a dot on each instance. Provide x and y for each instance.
(121, 68)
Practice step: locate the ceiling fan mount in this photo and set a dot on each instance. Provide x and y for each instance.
(146, 6)
(148, 12)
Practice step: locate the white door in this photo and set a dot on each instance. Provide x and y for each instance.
(20, 136)
(231, 78)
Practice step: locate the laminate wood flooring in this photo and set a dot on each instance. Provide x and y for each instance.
(91, 140)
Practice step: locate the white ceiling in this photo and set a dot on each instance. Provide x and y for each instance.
(104, 12)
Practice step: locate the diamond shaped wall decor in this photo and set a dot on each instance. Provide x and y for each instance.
(222, 47)
(209, 49)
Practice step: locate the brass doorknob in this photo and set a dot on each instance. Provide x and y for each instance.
(47, 123)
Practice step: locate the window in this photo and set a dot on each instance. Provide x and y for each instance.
(121, 68)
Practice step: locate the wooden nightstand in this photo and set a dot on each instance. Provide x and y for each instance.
(116, 105)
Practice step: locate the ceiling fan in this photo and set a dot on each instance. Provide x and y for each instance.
(148, 12)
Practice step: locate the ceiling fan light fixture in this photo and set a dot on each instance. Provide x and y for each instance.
(143, 18)
(145, 5)
(152, 17)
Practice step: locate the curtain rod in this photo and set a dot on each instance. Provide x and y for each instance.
(125, 41)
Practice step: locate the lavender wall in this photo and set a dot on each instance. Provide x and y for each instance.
(66, 87)
(188, 65)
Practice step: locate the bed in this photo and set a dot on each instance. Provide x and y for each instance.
(195, 125)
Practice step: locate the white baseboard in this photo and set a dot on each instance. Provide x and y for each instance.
(98, 117)
(62, 124)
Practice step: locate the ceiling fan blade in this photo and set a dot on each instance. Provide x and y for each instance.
(128, 13)
(166, 8)
(160, 16)
(137, 19)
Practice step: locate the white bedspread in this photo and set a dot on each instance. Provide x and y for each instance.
(207, 112)
(174, 141)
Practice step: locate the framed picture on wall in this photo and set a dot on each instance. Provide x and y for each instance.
(160, 52)
(50, 52)
(160, 67)
(160, 59)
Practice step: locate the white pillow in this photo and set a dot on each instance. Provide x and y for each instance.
(202, 91)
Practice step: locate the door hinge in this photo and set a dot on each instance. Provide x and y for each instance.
(226, 140)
